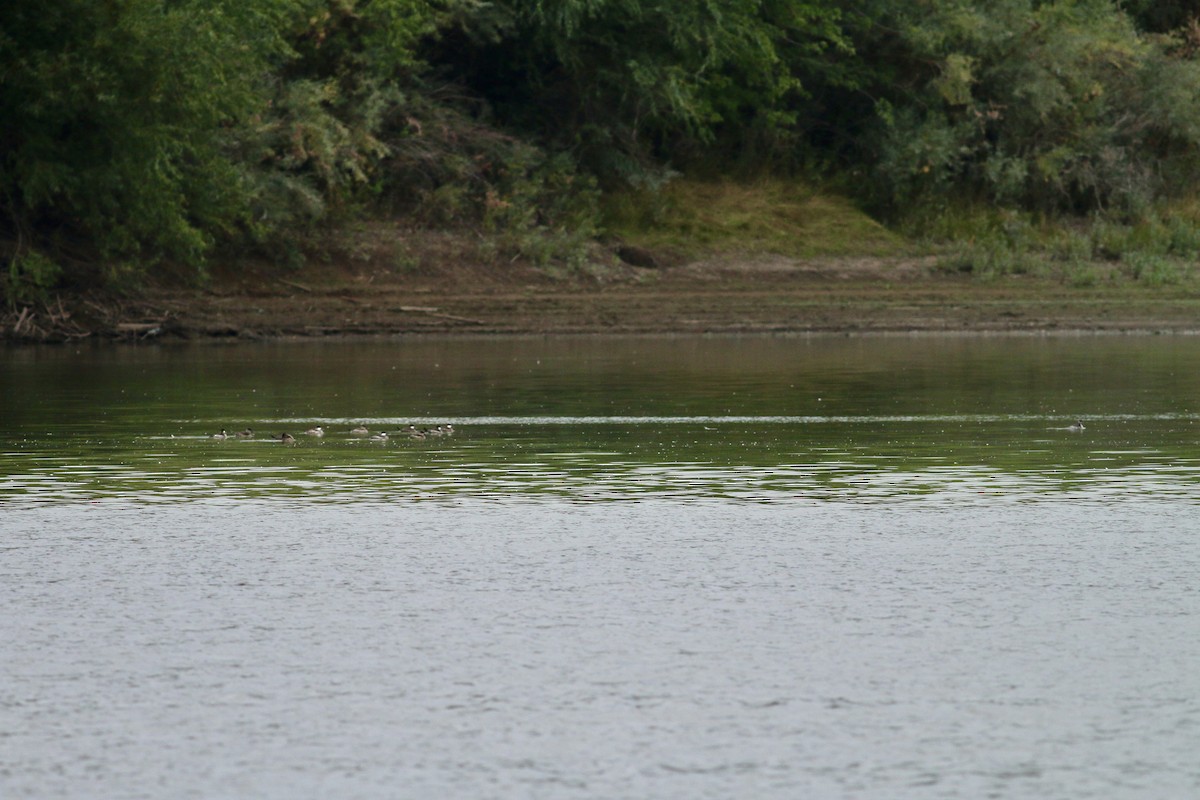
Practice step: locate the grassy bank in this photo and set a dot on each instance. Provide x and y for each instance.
(695, 220)
(692, 219)
(1159, 249)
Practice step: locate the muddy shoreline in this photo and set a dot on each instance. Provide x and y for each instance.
(764, 295)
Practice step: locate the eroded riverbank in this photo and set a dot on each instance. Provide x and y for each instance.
(768, 294)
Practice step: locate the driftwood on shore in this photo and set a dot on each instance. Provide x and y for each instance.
(55, 321)
(48, 323)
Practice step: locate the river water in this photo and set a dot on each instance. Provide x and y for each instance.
(873, 567)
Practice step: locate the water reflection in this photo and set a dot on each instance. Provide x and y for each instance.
(585, 460)
(756, 418)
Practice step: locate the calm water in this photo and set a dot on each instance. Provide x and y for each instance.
(644, 567)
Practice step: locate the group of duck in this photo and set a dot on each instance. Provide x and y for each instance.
(411, 432)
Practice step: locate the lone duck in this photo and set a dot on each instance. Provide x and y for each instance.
(221, 435)
(361, 430)
(1075, 426)
(286, 438)
(246, 434)
(317, 431)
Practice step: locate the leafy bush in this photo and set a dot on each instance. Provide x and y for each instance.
(1057, 106)
(626, 86)
(117, 118)
(155, 129)
(544, 211)
(1156, 270)
(30, 278)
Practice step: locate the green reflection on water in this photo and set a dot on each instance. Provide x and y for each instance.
(761, 418)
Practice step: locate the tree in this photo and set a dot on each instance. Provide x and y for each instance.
(119, 121)
(1058, 105)
(628, 84)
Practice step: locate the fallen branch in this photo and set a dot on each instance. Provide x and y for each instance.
(295, 285)
(433, 312)
(59, 315)
(104, 312)
(144, 330)
(23, 319)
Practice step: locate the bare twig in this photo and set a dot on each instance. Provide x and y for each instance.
(295, 285)
(23, 319)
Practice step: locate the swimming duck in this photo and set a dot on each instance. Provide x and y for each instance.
(380, 437)
(221, 435)
(1075, 426)
(286, 438)
(246, 434)
(361, 430)
(317, 431)
(413, 433)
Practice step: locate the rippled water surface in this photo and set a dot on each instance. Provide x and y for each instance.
(643, 567)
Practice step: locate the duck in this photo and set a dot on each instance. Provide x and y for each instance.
(448, 429)
(286, 438)
(413, 433)
(1075, 426)
(435, 431)
(221, 435)
(246, 434)
(361, 430)
(380, 437)
(317, 431)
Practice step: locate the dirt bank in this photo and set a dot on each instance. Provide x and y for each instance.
(759, 294)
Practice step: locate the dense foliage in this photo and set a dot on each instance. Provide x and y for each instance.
(1062, 106)
(119, 122)
(143, 131)
(625, 85)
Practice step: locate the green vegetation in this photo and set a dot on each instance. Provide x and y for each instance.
(783, 217)
(141, 134)
(1054, 107)
(1156, 249)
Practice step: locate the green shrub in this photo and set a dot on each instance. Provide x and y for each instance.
(631, 87)
(995, 257)
(1072, 246)
(1152, 269)
(151, 130)
(1081, 274)
(1183, 237)
(1052, 106)
(30, 278)
(543, 210)
(117, 119)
